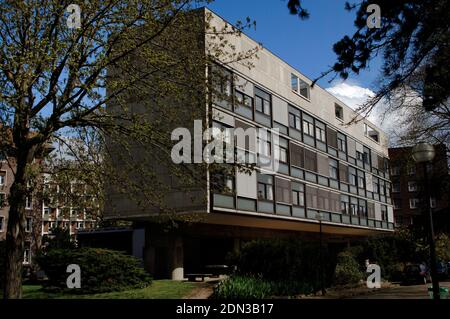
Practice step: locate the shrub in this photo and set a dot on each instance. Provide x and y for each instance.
(241, 287)
(247, 287)
(102, 270)
(347, 270)
(290, 265)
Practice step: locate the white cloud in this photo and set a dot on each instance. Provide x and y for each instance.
(354, 96)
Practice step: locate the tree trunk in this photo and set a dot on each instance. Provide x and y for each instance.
(15, 236)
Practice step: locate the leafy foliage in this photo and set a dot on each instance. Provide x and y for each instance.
(293, 265)
(242, 287)
(347, 270)
(102, 270)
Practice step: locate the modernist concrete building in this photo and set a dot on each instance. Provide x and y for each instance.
(326, 169)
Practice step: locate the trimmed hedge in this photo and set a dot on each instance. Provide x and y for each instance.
(102, 270)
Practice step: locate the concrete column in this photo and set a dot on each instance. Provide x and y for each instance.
(176, 257)
(163, 253)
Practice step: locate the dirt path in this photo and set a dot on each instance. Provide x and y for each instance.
(204, 290)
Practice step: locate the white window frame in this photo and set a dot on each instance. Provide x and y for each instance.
(2, 219)
(413, 203)
(394, 190)
(433, 202)
(298, 84)
(3, 178)
(28, 202)
(28, 226)
(412, 186)
(341, 111)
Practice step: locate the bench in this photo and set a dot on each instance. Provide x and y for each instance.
(218, 270)
(193, 277)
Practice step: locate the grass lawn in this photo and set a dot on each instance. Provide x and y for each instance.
(159, 289)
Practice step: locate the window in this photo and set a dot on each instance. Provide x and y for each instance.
(397, 203)
(282, 150)
(362, 208)
(411, 169)
(298, 194)
(395, 170)
(332, 138)
(341, 143)
(345, 204)
(2, 200)
(384, 214)
(283, 191)
(395, 187)
(376, 185)
(353, 206)
(2, 178)
(264, 144)
(310, 160)
(352, 176)
(371, 133)
(359, 156)
(243, 99)
(297, 155)
(433, 202)
(361, 179)
(333, 168)
(294, 119)
(343, 173)
(29, 225)
(225, 134)
(320, 132)
(299, 86)
(412, 186)
(413, 203)
(308, 126)
(222, 182)
(262, 102)
(28, 202)
(27, 255)
(339, 112)
(265, 187)
(2, 221)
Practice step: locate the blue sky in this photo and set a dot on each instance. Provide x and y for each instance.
(304, 44)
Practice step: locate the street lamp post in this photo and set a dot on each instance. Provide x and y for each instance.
(322, 282)
(424, 153)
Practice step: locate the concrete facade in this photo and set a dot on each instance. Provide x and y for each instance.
(338, 171)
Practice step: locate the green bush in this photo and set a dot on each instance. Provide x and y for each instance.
(290, 265)
(347, 270)
(102, 270)
(246, 287)
(240, 287)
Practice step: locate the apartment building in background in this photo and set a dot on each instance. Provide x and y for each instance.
(408, 187)
(33, 234)
(328, 173)
(41, 217)
(60, 209)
